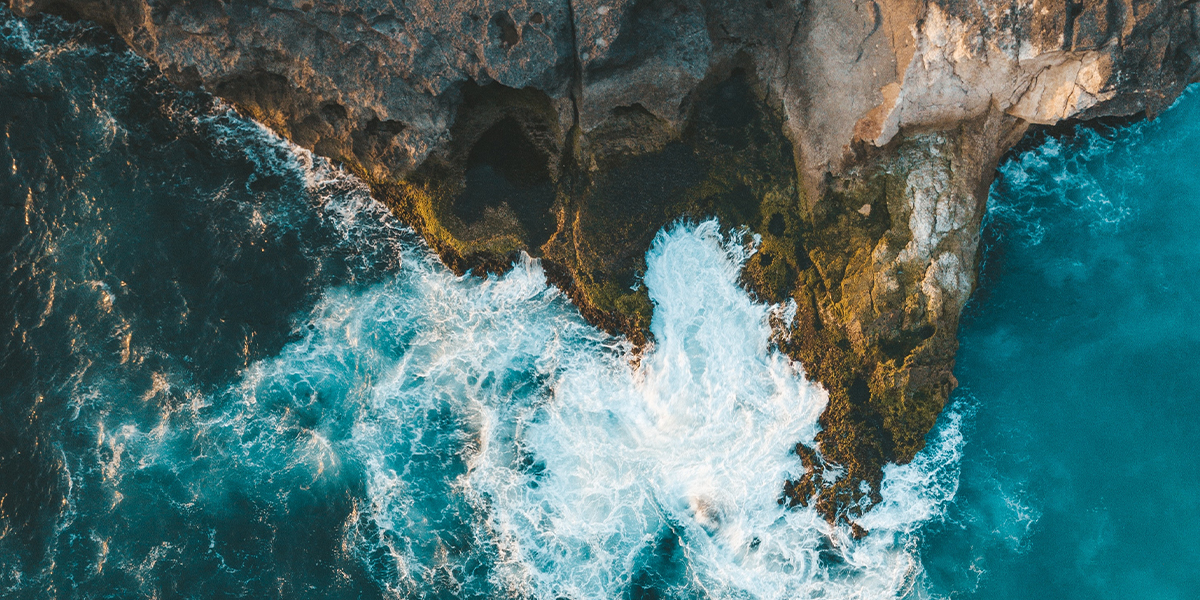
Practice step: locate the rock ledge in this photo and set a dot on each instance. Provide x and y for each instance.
(858, 138)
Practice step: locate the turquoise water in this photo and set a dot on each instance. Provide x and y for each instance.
(228, 372)
(1081, 356)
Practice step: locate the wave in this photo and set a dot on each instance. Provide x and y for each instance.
(509, 446)
(451, 436)
(1095, 173)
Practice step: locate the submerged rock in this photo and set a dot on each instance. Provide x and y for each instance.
(859, 139)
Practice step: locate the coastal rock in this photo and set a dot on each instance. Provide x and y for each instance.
(857, 138)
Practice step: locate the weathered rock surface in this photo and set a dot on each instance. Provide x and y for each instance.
(859, 138)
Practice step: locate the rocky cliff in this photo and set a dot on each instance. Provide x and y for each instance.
(857, 138)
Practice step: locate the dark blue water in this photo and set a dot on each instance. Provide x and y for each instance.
(152, 245)
(227, 372)
(1081, 354)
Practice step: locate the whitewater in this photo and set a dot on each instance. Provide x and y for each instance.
(227, 371)
(495, 427)
(232, 372)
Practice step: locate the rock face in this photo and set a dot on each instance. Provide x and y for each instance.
(858, 138)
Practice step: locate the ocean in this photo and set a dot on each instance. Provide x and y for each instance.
(1079, 357)
(229, 372)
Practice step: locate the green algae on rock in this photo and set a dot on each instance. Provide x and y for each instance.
(589, 205)
(858, 143)
(867, 328)
(877, 312)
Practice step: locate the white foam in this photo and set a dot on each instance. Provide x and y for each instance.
(505, 443)
(495, 427)
(566, 464)
(1091, 174)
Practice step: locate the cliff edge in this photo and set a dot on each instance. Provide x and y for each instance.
(857, 138)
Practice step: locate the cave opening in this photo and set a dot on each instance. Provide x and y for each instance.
(731, 104)
(505, 168)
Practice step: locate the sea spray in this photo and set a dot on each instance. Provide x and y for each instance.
(497, 425)
(255, 381)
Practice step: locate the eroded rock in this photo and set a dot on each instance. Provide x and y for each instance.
(858, 138)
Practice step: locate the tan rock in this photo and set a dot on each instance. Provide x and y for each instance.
(896, 113)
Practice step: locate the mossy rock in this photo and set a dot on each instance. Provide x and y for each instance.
(590, 205)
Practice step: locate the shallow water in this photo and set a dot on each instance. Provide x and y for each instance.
(230, 372)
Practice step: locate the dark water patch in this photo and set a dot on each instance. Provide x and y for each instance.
(659, 569)
(154, 246)
(729, 109)
(504, 30)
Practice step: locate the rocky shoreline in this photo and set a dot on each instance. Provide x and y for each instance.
(858, 139)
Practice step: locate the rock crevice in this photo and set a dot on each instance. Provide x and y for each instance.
(858, 138)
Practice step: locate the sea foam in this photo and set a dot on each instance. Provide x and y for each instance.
(508, 446)
(486, 440)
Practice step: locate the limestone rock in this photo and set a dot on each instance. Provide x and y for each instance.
(859, 137)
